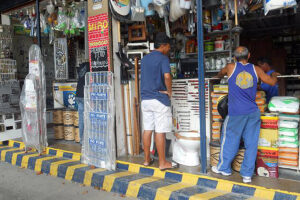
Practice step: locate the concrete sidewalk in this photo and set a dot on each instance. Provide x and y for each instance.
(134, 180)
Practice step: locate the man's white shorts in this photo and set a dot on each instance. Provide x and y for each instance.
(156, 116)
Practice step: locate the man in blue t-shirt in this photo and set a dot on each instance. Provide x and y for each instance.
(156, 90)
(265, 65)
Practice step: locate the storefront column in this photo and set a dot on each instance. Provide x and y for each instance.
(203, 157)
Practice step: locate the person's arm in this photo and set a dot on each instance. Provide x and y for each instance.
(223, 72)
(168, 82)
(270, 80)
(227, 70)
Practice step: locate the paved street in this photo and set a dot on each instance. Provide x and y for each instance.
(24, 184)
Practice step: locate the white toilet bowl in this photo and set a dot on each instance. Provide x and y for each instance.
(186, 148)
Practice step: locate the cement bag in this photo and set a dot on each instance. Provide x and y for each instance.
(288, 131)
(295, 118)
(288, 144)
(283, 138)
(277, 4)
(287, 124)
(175, 11)
(284, 104)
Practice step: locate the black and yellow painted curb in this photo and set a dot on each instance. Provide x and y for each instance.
(135, 180)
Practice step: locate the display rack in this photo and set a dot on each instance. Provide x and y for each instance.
(227, 52)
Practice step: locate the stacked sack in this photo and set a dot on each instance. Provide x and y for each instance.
(288, 107)
(216, 117)
(261, 101)
(267, 154)
(288, 140)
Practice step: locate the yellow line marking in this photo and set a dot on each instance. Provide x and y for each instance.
(224, 186)
(207, 195)
(71, 170)
(3, 153)
(264, 194)
(110, 179)
(159, 174)
(59, 153)
(134, 186)
(15, 156)
(26, 158)
(166, 191)
(54, 166)
(39, 162)
(134, 168)
(298, 197)
(89, 175)
(76, 156)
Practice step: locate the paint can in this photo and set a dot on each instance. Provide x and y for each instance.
(69, 132)
(208, 46)
(219, 45)
(59, 131)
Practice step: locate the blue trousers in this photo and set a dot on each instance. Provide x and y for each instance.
(235, 128)
(80, 103)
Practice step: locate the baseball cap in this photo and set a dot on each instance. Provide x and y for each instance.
(162, 38)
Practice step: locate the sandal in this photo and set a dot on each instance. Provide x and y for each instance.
(174, 166)
(150, 163)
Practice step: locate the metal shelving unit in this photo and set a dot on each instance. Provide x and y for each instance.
(217, 52)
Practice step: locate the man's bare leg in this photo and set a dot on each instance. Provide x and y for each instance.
(147, 143)
(160, 141)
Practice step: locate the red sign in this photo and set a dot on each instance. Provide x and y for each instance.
(98, 31)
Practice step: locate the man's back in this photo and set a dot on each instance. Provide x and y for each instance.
(242, 89)
(153, 68)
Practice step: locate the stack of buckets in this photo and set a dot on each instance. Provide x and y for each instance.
(66, 124)
(267, 154)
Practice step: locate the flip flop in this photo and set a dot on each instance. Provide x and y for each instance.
(150, 163)
(174, 166)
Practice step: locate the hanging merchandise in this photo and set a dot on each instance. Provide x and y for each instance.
(61, 20)
(175, 11)
(33, 103)
(61, 59)
(99, 139)
(278, 4)
(159, 6)
(120, 9)
(137, 12)
(148, 6)
(185, 4)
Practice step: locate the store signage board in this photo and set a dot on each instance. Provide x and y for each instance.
(96, 7)
(98, 31)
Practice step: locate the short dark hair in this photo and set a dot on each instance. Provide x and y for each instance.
(264, 60)
(161, 39)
